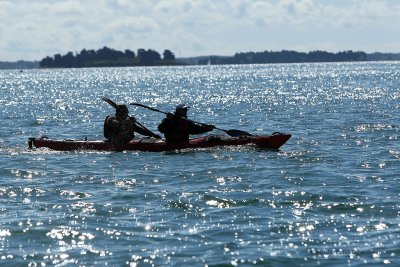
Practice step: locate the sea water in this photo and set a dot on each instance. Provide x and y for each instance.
(328, 197)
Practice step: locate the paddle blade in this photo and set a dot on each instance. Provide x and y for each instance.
(110, 102)
(237, 133)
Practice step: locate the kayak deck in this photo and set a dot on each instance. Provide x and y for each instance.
(274, 141)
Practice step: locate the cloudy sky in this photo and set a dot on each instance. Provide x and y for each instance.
(34, 29)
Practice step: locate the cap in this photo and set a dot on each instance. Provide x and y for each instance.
(181, 106)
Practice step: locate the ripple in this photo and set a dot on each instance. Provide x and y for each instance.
(327, 197)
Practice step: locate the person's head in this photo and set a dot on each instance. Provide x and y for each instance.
(181, 110)
(122, 111)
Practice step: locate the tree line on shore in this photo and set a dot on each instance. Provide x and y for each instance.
(285, 56)
(107, 57)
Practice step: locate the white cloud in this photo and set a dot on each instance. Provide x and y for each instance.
(35, 29)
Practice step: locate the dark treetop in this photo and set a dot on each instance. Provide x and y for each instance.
(107, 57)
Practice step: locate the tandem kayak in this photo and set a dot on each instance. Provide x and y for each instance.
(274, 141)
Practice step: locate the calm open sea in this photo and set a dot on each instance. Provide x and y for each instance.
(328, 197)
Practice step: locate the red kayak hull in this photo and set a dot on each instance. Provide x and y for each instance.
(274, 141)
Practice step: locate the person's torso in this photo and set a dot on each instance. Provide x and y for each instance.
(178, 130)
(115, 129)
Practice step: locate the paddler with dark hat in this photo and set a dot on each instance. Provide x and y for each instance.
(177, 128)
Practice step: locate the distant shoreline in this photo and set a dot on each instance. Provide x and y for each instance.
(20, 64)
(238, 59)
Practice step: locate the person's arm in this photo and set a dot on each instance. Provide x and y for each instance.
(146, 132)
(195, 128)
(165, 125)
(162, 127)
(142, 130)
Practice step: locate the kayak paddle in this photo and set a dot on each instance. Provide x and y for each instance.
(232, 132)
(110, 102)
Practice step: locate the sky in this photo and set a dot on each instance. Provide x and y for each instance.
(35, 29)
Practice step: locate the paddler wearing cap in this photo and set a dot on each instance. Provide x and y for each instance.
(177, 128)
(121, 127)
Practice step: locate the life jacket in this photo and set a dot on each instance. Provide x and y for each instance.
(115, 130)
(175, 129)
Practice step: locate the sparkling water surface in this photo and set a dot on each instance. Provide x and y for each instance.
(328, 197)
